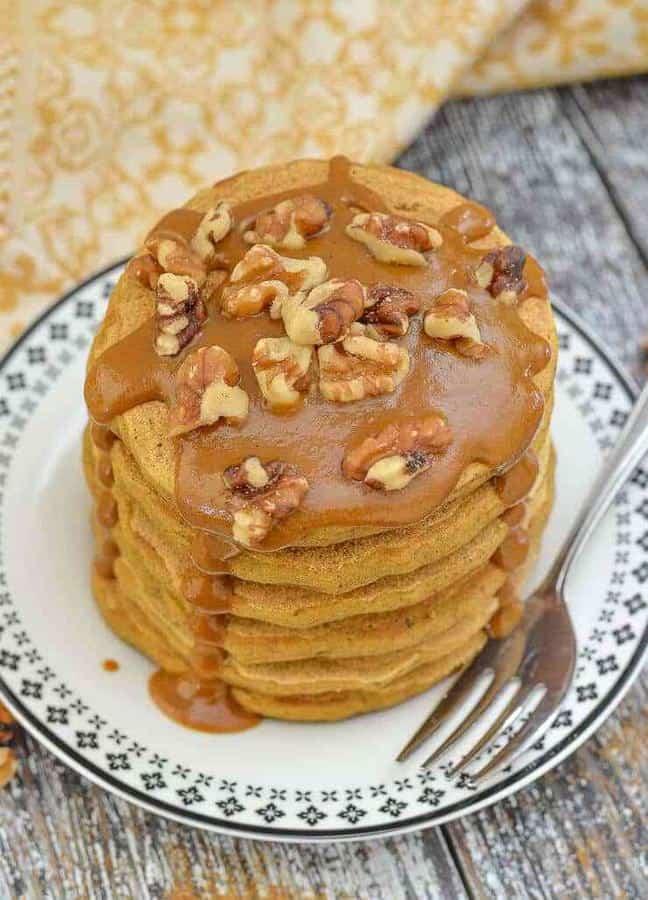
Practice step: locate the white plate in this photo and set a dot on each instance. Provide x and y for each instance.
(278, 781)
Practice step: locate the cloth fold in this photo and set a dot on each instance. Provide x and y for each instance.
(113, 111)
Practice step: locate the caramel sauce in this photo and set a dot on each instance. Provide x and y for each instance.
(505, 620)
(491, 405)
(515, 484)
(106, 507)
(513, 550)
(101, 436)
(201, 705)
(110, 665)
(515, 515)
(207, 593)
(471, 220)
(105, 471)
(104, 561)
(107, 510)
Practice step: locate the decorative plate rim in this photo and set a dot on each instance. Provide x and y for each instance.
(546, 760)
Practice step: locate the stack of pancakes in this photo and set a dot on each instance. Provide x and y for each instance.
(354, 618)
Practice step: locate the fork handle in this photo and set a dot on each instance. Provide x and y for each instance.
(617, 468)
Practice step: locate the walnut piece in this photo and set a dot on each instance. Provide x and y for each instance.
(180, 313)
(215, 225)
(360, 366)
(394, 240)
(451, 319)
(282, 370)
(388, 311)
(325, 313)
(389, 460)
(261, 495)
(290, 223)
(146, 269)
(264, 278)
(177, 257)
(207, 390)
(501, 272)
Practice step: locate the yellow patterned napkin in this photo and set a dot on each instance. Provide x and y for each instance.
(112, 111)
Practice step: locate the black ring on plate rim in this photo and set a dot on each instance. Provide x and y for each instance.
(425, 820)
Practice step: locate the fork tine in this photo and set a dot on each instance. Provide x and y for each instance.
(496, 685)
(453, 698)
(537, 723)
(506, 718)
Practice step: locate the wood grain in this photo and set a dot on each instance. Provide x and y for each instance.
(566, 173)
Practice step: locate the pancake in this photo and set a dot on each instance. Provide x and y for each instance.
(341, 540)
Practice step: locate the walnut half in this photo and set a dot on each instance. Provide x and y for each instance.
(389, 460)
(180, 312)
(177, 257)
(451, 319)
(214, 227)
(501, 272)
(282, 370)
(207, 390)
(359, 367)
(291, 223)
(263, 278)
(325, 313)
(394, 240)
(261, 495)
(388, 310)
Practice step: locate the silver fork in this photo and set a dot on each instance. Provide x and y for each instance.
(540, 653)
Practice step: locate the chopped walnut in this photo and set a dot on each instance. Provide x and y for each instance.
(212, 284)
(180, 313)
(399, 452)
(251, 299)
(282, 370)
(177, 257)
(325, 313)
(501, 272)
(360, 367)
(388, 310)
(146, 269)
(394, 240)
(451, 319)
(261, 496)
(215, 225)
(290, 223)
(264, 278)
(207, 390)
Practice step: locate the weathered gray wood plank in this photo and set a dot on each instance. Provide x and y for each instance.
(565, 172)
(62, 837)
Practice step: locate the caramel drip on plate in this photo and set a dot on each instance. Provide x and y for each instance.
(201, 705)
(110, 665)
(492, 405)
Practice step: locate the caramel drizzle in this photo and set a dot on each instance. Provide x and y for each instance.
(106, 507)
(493, 408)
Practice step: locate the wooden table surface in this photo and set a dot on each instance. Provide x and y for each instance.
(566, 171)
